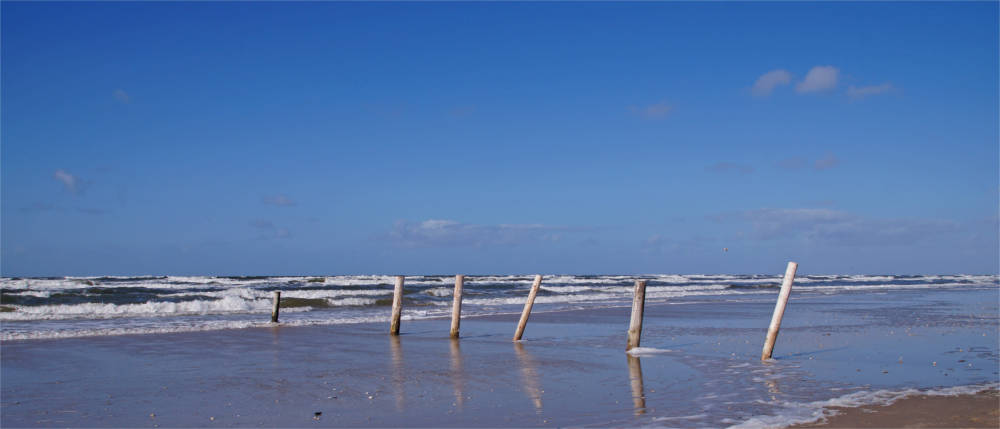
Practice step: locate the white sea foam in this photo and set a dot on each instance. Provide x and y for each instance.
(439, 291)
(229, 304)
(646, 351)
(567, 289)
(792, 413)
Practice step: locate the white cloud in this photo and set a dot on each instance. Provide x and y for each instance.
(68, 180)
(864, 91)
(834, 227)
(449, 233)
(653, 111)
(770, 80)
(121, 96)
(819, 78)
(268, 230)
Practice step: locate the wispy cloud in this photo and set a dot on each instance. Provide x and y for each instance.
(730, 167)
(38, 207)
(653, 111)
(68, 180)
(121, 96)
(278, 200)
(835, 227)
(793, 163)
(450, 233)
(827, 162)
(268, 230)
(767, 82)
(91, 211)
(819, 78)
(858, 92)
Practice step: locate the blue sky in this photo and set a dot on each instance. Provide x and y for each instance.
(418, 138)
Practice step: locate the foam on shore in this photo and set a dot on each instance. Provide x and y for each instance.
(792, 413)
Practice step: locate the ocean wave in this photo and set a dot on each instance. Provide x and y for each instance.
(229, 304)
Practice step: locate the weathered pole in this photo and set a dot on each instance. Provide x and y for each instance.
(456, 308)
(527, 308)
(397, 306)
(638, 304)
(779, 311)
(274, 309)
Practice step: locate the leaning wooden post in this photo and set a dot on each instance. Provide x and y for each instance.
(779, 311)
(527, 308)
(635, 326)
(456, 308)
(274, 310)
(397, 306)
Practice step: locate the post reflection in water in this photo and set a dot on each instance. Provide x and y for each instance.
(635, 378)
(529, 376)
(398, 372)
(457, 373)
(771, 382)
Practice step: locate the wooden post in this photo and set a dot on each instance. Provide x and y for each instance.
(274, 310)
(456, 308)
(635, 326)
(527, 308)
(779, 311)
(397, 306)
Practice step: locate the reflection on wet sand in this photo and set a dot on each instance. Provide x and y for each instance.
(529, 376)
(398, 372)
(457, 373)
(635, 378)
(771, 382)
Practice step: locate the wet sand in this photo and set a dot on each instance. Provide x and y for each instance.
(703, 369)
(981, 410)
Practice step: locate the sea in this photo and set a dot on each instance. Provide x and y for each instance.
(61, 307)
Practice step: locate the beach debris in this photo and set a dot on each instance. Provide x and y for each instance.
(317, 414)
(934, 363)
(152, 414)
(885, 371)
(212, 418)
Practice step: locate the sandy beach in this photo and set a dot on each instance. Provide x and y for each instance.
(699, 366)
(981, 410)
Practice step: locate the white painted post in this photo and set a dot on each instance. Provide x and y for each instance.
(527, 308)
(779, 311)
(635, 325)
(456, 308)
(274, 310)
(397, 306)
